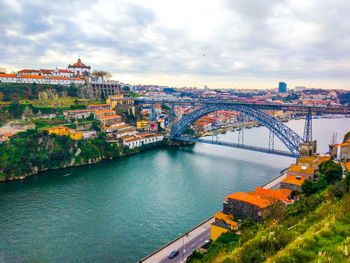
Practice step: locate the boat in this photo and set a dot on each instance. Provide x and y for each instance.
(223, 132)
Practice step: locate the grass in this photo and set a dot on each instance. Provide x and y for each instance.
(60, 102)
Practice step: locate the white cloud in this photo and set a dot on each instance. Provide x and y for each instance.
(198, 42)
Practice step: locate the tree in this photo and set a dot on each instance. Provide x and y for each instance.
(309, 187)
(333, 174)
(101, 73)
(347, 182)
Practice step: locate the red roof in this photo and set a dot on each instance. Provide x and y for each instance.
(46, 71)
(79, 64)
(29, 71)
(65, 71)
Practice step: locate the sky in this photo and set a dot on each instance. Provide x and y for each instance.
(218, 43)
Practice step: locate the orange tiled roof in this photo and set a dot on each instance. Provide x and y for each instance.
(32, 77)
(54, 77)
(280, 194)
(251, 199)
(347, 165)
(8, 75)
(301, 169)
(110, 117)
(78, 79)
(294, 180)
(342, 144)
(79, 111)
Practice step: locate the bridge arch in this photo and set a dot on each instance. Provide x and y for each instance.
(290, 138)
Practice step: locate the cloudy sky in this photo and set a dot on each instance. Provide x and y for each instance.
(219, 43)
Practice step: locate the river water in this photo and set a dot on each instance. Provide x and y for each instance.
(121, 210)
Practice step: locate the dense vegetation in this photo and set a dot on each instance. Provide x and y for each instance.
(32, 151)
(314, 229)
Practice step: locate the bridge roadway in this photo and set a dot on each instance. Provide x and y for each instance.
(237, 145)
(260, 106)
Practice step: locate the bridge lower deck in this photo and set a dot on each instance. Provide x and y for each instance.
(238, 145)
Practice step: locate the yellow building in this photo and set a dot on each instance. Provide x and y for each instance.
(113, 101)
(76, 135)
(223, 223)
(141, 125)
(59, 130)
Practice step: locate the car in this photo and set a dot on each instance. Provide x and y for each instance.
(173, 254)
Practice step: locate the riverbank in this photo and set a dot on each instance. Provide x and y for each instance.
(32, 152)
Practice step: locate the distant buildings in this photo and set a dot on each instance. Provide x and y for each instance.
(282, 87)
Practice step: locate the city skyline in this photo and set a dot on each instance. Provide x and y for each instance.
(226, 44)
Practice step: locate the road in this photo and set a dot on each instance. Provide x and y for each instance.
(189, 247)
(191, 240)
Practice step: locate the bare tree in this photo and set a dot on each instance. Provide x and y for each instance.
(101, 73)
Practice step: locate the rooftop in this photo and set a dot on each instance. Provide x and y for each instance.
(294, 180)
(251, 199)
(301, 169)
(110, 117)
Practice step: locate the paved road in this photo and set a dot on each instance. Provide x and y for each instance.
(189, 247)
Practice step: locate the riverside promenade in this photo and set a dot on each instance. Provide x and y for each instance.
(185, 244)
(196, 237)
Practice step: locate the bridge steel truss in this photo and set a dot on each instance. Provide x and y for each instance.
(255, 110)
(291, 139)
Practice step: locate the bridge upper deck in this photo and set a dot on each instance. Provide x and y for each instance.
(260, 106)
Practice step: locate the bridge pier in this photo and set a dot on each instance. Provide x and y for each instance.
(308, 126)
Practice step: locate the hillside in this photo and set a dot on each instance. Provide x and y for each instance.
(314, 229)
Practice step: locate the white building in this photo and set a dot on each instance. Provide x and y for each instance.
(80, 68)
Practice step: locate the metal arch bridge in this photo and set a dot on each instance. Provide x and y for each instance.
(291, 139)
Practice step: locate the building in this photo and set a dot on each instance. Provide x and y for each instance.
(122, 99)
(217, 228)
(99, 107)
(245, 205)
(80, 68)
(301, 171)
(222, 224)
(107, 120)
(77, 114)
(282, 87)
(293, 182)
(103, 113)
(141, 125)
(76, 135)
(59, 130)
(342, 151)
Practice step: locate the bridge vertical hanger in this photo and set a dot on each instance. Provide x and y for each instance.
(171, 119)
(308, 126)
(241, 129)
(271, 135)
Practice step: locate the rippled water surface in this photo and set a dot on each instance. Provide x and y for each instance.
(121, 210)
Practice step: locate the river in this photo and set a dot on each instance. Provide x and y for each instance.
(121, 210)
